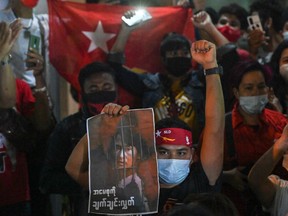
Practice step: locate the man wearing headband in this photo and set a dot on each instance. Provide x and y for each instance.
(178, 176)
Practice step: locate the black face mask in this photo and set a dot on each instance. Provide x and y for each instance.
(178, 66)
(100, 97)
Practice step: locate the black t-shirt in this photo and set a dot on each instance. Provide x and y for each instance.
(196, 182)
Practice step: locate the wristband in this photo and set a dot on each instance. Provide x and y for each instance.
(216, 70)
(43, 89)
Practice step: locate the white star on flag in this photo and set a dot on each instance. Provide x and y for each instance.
(158, 133)
(98, 38)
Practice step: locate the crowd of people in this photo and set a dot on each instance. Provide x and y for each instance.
(223, 96)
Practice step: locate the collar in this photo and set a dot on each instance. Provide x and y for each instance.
(237, 118)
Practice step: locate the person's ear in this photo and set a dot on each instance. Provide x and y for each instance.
(236, 93)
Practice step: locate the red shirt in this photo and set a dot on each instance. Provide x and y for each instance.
(24, 98)
(14, 184)
(252, 142)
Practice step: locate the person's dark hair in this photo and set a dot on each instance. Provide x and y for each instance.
(171, 123)
(244, 67)
(267, 9)
(131, 136)
(172, 41)
(93, 68)
(238, 11)
(213, 14)
(278, 83)
(217, 203)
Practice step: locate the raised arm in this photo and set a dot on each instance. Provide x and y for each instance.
(211, 155)
(129, 80)
(8, 35)
(258, 177)
(124, 33)
(203, 22)
(43, 117)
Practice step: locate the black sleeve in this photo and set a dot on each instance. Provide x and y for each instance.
(129, 80)
(54, 178)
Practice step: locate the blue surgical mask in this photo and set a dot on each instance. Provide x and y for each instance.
(173, 171)
(253, 104)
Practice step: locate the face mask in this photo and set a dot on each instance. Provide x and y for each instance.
(178, 66)
(231, 34)
(95, 102)
(100, 97)
(173, 171)
(3, 4)
(284, 71)
(29, 3)
(285, 35)
(253, 104)
(94, 109)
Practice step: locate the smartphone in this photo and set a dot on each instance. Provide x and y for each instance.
(34, 42)
(141, 15)
(254, 22)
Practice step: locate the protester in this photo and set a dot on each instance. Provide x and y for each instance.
(175, 93)
(32, 25)
(98, 87)
(263, 43)
(15, 134)
(279, 65)
(201, 177)
(250, 131)
(270, 189)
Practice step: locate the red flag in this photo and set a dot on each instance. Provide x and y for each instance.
(82, 33)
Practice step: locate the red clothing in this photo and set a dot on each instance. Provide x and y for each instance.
(252, 142)
(24, 98)
(14, 181)
(14, 184)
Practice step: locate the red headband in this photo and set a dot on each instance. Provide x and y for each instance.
(173, 136)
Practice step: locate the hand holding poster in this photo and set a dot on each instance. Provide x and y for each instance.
(123, 175)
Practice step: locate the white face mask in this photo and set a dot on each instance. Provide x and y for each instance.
(253, 104)
(3, 4)
(284, 71)
(173, 171)
(285, 35)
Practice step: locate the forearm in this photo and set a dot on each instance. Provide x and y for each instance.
(77, 164)
(258, 176)
(7, 87)
(213, 139)
(120, 43)
(43, 116)
(265, 165)
(215, 35)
